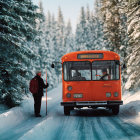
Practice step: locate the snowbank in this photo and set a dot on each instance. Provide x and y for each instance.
(14, 116)
(131, 108)
(3, 108)
(11, 118)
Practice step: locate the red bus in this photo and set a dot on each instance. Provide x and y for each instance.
(91, 79)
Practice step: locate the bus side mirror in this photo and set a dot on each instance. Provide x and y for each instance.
(117, 62)
(124, 66)
(52, 65)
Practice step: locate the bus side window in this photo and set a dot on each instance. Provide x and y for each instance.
(65, 72)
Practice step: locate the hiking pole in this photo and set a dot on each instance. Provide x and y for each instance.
(46, 92)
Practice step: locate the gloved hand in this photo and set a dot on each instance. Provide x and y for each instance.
(47, 85)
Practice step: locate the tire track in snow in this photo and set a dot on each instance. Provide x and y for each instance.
(95, 131)
(113, 132)
(128, 131)
(70, 128)
(135, 129)
(81, 128)
(104, 127)
(74, 127)
(60, 130)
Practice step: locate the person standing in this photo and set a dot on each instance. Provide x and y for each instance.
(38, 92)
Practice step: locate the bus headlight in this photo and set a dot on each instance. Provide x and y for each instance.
(116, 94)
(68, 95)
(69, 88)
(108, 94)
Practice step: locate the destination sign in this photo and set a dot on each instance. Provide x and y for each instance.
(90, 56)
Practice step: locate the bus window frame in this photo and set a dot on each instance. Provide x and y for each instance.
(91, 71)
(77, 80)
(116, 61)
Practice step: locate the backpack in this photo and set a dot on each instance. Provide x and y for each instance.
(34, 86)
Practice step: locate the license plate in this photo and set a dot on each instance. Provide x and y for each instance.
(78, 95)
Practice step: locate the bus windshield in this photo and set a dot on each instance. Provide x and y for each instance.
(87, 71)
(105, 70)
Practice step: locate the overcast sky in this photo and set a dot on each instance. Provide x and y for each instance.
(70, 8)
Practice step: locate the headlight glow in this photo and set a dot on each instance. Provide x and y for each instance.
(108, 94)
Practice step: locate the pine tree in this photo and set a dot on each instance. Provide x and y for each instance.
(60, 32)
(111, 18)
(41, 45)
(51, 44)
(59, 46)
(69, 39)
(89, 33)
(88, 13)
(133, 49)
(81, 32)
(17, 29)
(95, 27)
(60, 41)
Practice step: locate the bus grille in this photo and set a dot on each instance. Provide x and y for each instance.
(92, 103)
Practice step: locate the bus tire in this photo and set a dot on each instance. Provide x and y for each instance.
(115, 109)
(66, 110)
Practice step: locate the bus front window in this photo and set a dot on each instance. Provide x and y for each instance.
(77, 71)
(105, 70)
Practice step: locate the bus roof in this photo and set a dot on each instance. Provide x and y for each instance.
(107, 55)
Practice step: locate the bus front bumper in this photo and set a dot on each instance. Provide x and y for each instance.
(92, 103)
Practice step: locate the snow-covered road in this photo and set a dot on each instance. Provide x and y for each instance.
(84, 124)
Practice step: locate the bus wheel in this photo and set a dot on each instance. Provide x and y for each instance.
(66, 110)
(115, 109)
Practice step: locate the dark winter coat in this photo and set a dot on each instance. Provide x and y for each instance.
(41, 85)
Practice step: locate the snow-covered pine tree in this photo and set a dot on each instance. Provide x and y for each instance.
(133, 58)
(51, 44)
(59, 46)
(95, 29)
(40, 42)
(60, 40)
(102, 41)
(69, 38)
(89, 32)
(60, 34)
(17, 28)
(115, 29)
(80, 35)
(111, 19)
(88, 13)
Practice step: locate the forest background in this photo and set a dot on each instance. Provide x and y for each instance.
(31, 39)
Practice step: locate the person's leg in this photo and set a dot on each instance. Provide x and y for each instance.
(35, 104)
(39, 104)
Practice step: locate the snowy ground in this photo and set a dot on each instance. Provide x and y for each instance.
(86, 124)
